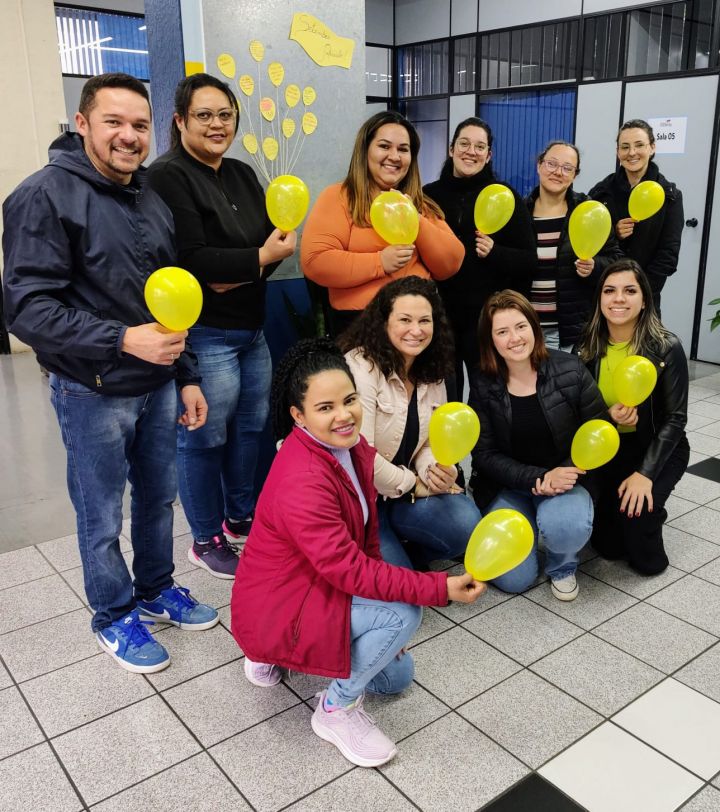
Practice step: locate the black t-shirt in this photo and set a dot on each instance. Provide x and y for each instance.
(531, 438)
(409, 441)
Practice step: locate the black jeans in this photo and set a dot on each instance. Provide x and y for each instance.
(638, 538)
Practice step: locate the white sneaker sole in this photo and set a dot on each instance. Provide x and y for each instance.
(251, 678)
(565, 596)
(193, 559)
(135, 669)
(353, 758)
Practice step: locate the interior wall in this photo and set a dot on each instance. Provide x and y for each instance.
(379, 22)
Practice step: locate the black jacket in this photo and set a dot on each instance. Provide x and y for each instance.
(78, 250)
(221, 224)
(662, 417)
(568, 397)
(655, 242)
(575, 292)
(510, 264)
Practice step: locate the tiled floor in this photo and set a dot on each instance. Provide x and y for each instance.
(609, 703)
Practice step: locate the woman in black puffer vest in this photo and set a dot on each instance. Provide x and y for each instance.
(504, 260)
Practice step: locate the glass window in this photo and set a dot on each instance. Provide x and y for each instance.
(430, 117)
(423, 70)
(378, 71)
(464, 51)
(603, 54)
(94, 42)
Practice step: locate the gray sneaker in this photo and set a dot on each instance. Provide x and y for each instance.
(566, 588)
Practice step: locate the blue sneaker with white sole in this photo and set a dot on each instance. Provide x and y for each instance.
(131, 645)
(176, 606)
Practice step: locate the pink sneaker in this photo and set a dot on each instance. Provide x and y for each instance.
(262, 674)
(354, 732)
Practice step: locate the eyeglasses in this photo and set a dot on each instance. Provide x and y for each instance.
(639, 146)
(463, 145)
(553, 166)
(208, 116)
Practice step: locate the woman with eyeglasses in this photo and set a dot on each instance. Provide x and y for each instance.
(504, 260)
(226, 241)
(653, 243)
(563, 285)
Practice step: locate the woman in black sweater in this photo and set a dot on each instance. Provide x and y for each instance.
(504, 260)
(226, 241)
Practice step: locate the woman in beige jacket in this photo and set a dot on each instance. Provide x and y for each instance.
(400, 351)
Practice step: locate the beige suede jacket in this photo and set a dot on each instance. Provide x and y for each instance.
(385, 406)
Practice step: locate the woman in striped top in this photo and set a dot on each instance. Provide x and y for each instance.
(562, 286)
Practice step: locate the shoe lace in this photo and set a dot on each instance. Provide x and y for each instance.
(138, 634)
(221, 542)
(183, 597)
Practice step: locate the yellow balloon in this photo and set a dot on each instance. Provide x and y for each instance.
(395, 218)
(174, 297)
(646, 199)
(493, 208)
(502, 540)
(634, 380)
(287, 200)
(594, 444)
(589, 228)
(454, 429)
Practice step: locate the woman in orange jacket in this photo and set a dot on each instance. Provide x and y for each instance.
(341, 251)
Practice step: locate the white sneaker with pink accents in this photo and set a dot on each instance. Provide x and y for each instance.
(262, 674)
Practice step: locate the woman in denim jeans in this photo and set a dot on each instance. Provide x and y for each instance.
(400, 350)
(226, 241)
(531, 401)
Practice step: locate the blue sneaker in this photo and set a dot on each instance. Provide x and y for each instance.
(131, 645)
(176, 605)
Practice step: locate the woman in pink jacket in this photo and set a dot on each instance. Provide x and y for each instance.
(311, 592)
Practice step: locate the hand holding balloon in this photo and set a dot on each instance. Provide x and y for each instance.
(151, 343)
(624, 228)
(584, 267)
(278, 246)
(483, 244)
(395, 257)
(464, 588)
(502, 540)
(441, 478)
(623, 415)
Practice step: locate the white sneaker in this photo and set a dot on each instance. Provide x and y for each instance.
(565, 589)
(262, 674)
(354, 732)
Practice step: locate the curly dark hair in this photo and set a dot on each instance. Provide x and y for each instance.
(369, 333)
(290, 381)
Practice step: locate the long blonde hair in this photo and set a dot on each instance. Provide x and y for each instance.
(357, 185)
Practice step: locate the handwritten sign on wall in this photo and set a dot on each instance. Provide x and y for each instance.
(320, 43)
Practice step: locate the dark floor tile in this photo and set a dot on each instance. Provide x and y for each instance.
(709, 469)
(533, 794)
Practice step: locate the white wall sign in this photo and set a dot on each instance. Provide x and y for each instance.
(669, 134)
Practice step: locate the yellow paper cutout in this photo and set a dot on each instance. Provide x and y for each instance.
(309, 123)
(267, 108)
(321, 43)
(250, 143)
(309, 96)
(226, 65)
(270, 148)
(257, 50)
(292, 95)
(246, 84)
(276, 72)
(288, 127)
(194, 67)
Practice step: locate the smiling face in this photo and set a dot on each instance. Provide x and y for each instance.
(621, 300)
(470, 151)
(331, 409)
(513, 336)
(634, 151)
(410, 326)
(116, 132)
(389, 156)
(208, 141)
(557, 169)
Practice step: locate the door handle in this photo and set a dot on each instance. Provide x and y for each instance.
(692, 222)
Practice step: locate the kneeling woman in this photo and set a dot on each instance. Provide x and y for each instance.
(400, 351)
(311, 592)
(531, 401)
(654, 450)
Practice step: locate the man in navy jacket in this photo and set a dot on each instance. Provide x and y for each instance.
(81, 236)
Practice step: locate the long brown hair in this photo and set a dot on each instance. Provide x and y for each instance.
(491, 362)
(357, 182)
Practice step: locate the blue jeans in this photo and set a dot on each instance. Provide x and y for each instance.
(216, 465)
(565, 523)
(378, 631)
(110, 439)
(440, 526)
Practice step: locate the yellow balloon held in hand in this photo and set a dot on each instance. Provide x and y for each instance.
(589, 228)
(646, 199)
(287, 199)
(395, 218)
(493, 208)
(594, 444)
(454, 429)
(174, 297)
(634, 380)
(502, 540)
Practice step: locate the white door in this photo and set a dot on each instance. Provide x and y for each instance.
(692, 98)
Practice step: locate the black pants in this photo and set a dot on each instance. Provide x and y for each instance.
(637, 539)
(466, 352)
